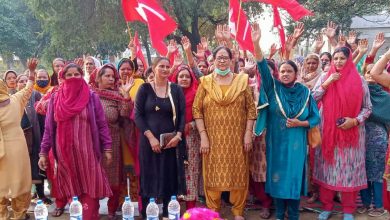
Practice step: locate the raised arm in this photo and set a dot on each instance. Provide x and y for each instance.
(24, 95)
(377, 72)
(362, 48)
(187, 50)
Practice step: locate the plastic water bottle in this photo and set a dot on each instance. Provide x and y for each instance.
(76, 209)
(127, 209)
(174, 209)
(40, 211)
(152, 210)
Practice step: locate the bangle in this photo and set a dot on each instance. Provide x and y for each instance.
(249, 130)
(356, 122)
(204, 130)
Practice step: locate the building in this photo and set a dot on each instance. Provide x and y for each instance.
(368, 26)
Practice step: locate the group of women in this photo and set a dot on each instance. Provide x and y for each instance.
(189, 129)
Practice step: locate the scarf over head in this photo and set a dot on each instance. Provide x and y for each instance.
(71, 99)
(189, 92)
(4, 96)
(107, 93)
(343, 98)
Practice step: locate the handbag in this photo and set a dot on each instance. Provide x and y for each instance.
(314, 137)
(166, 138)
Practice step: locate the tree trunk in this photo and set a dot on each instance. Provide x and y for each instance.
(146, 45)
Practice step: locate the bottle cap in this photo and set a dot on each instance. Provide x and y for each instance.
(152, 200)
(127, 199)
(173, 197)
(75, 198)
(39, 202)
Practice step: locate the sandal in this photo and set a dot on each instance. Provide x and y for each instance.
(58, 212)
(377, 212)
(313, 198)
(265, 213)
(362, 209)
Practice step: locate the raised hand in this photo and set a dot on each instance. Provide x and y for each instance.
(172, 46)
(319, 43)
(273, 50)
(351, 37)
(132, 48)
(200, 51)
(250, 64)
(186, 43)
(178, 60)
(218, 33)
(126, 86)
(342, 41)
(289, 43)
(256, 33)
(205, 42)
(236, 52)
(363, 46)
(330, 30)
(298, 30)
(379, 41)
(32, 65)
(226, 32)
(79, 62)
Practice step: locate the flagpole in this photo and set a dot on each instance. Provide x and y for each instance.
(128, 29)
(238, 19)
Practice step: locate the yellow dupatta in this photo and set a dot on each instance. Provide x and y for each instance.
(238, 85)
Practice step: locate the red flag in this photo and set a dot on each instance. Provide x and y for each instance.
(239, 26)
(129, 8)
(139, 54)
(278, 24)
(296, 10)
(159, 23)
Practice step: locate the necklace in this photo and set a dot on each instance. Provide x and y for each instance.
(157, 108)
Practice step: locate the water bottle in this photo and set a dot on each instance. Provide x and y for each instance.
(76, 209)
(152, 210)
(127, 209)
(40, 211)
(174, 209)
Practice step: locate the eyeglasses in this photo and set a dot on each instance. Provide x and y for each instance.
(222, 58)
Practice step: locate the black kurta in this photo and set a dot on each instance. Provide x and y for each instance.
(161, 174)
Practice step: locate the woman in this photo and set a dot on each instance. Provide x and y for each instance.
(78, 132)
(381, 74)
(15, 171)
(311, 70)
(117, 107)
(340, 161)
(91, 64)
(376, 146)
(127, 68)
(10, 80)
(42, 82)
(224, 113)
(149, 75)
(291, 112)
(160, 109)
(31, 126)
(57, 65)
(186, 79)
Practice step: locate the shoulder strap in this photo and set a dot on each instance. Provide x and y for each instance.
(172, 104)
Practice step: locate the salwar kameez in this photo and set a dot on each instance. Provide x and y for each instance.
(225, 112)
(192, 169)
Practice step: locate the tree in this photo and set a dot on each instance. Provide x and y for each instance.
(20, 32)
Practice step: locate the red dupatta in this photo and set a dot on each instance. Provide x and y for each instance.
(189, 92)
(71, 99)
(343, 98)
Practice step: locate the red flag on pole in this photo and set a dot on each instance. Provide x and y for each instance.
(239, 25)
(138, 46)
(293, 7)
(129, 11)
(159, 23)
(278, 24)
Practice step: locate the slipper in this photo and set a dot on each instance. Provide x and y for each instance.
(265, 213)
(377, 212)
(58, 212)
(325, 215)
